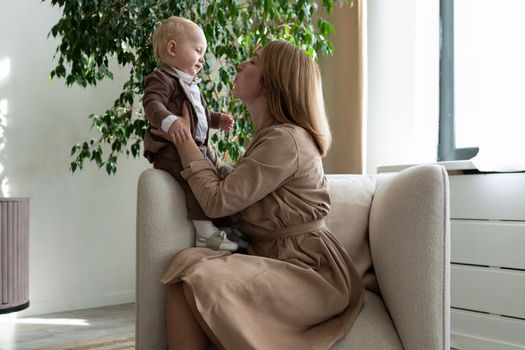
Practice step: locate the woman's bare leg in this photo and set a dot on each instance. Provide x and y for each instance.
(183, 329)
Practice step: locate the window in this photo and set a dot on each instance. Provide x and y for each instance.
(482, 77)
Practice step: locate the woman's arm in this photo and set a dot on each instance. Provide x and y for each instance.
(270, 162)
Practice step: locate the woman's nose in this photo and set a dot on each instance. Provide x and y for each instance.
(241, 67)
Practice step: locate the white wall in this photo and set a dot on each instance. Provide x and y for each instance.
(82, 226)
(403, 82)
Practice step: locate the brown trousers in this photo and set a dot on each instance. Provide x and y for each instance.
(168, 162)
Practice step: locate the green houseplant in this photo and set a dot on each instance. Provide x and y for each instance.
(93, 32)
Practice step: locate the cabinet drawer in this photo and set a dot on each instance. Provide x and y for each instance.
(476, 331)
(490, 290)
(488, 196)
(489, 243)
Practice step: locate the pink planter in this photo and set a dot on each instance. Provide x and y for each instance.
(14, 254)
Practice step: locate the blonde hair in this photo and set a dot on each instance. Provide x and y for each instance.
(293, 87)
(169, 29)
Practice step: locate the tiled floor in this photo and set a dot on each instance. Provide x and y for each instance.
(65, 327)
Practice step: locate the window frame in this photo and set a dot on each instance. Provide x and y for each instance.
(447, 150)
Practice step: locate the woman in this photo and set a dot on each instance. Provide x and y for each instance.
(297, 288)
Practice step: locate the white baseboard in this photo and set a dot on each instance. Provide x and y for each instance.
(39, 307)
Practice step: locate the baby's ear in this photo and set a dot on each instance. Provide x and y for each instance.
(171, 48)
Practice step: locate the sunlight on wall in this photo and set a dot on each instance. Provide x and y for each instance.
(4, 184)
(3, 119)
(5, 70)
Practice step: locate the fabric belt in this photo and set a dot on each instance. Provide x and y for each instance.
(261, 235)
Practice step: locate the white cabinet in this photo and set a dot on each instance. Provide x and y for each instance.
(488, 261)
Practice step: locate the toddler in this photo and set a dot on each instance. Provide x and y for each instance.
(179, 46)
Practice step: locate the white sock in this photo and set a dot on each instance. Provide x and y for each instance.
(204, 227)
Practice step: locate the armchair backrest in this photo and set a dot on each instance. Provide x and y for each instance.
(351, 197)
(410, 246)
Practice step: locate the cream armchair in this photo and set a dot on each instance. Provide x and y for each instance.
(395, 227)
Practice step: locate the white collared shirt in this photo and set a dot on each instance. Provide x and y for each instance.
(191, 89)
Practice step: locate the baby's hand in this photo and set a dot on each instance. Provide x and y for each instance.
(178, 132)
(225, 122)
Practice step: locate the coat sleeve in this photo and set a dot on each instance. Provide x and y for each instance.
(157, 92)
(215, 118)
(269, 163)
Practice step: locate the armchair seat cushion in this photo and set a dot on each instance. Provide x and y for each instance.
(373, 328)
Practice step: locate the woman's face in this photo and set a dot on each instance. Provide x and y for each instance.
(247, 85)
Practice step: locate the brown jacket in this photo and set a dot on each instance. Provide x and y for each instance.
(163, 96)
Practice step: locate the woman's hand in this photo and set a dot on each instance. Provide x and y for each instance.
(179, 131)
(188, 149)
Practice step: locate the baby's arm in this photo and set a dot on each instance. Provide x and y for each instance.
(158, 89)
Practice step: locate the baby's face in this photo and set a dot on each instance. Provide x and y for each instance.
(191, 47)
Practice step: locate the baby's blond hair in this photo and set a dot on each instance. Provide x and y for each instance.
(169, 29)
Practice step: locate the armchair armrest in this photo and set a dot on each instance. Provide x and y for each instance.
(162, 230)
(410, 247)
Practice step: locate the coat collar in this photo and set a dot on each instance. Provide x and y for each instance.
(178, 74)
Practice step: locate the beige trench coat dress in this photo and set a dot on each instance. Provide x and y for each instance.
(297, 287)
